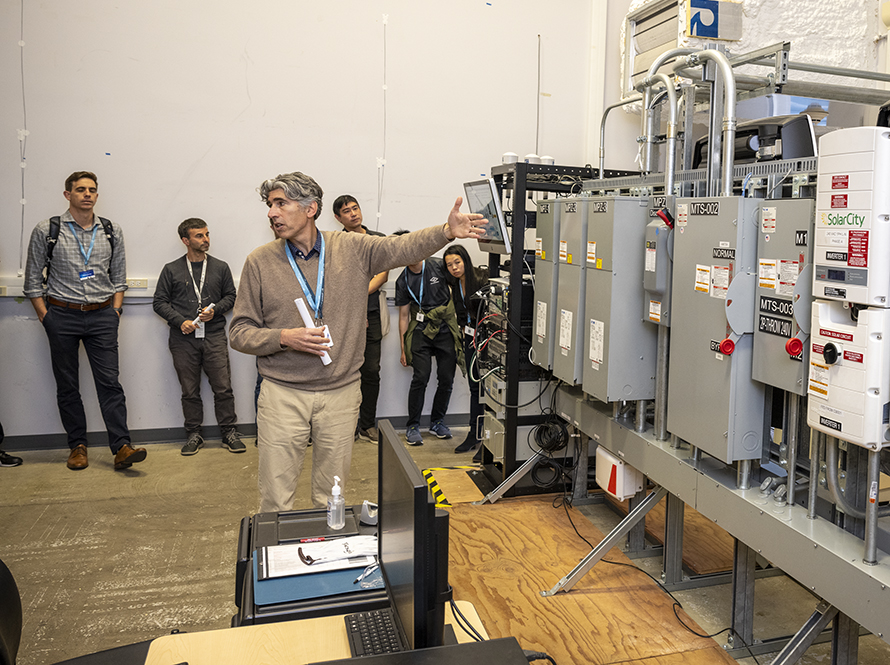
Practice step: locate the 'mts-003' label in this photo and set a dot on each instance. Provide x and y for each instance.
(704, 208)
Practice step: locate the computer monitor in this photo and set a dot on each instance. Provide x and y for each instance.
(483, 198)
(412, 544)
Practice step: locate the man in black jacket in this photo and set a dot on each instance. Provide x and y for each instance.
(193, 294)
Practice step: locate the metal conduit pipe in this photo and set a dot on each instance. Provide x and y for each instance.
(871, 508)
(729, 117)
(815, 463)
(670, 162)
(606, 111)
(836, 494)
(647, 120)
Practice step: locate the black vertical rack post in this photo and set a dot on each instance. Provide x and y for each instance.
(522, 178)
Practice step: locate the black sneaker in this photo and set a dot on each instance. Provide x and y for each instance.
(193, 445)
(8, 460)
(232, 441)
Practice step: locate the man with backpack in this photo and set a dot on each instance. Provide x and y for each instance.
(75, 277)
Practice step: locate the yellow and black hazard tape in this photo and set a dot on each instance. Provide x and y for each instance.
(435, 490)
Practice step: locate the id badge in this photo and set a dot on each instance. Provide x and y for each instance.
(199, 331)
(469, 331)
(420, 317)
(86, 274)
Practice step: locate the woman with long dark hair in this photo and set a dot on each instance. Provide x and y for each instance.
(465, 281)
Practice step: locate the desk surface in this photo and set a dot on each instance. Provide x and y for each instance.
(290, 642)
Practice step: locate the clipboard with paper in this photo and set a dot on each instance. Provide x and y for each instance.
(318, 557)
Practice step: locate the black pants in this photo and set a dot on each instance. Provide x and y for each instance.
(97, 329)
(423, 350)
(210, 354)
(370, 371)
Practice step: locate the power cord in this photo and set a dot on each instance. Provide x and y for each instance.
(536, 655)
(677, 604)
(464, 623)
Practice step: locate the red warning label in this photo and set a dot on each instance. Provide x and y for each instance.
(858, 249)
(840, 182)
(852, 356)
(838, 200)
(836, 335)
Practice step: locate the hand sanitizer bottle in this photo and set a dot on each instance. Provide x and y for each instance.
(336, 507)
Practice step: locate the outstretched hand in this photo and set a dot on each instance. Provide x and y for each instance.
(464, 225)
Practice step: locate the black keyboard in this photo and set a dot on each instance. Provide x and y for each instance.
(373, 633)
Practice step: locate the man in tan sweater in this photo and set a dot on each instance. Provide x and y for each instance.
(301, 396)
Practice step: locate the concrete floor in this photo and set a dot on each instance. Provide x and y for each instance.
(105, 558)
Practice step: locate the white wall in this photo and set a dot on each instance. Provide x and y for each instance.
(183, 108)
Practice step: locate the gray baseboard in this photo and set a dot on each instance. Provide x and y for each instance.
(172, 434)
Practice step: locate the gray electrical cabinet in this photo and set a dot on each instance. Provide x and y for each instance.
(659, 249)
(714, 403)
(546, 282)
(493, 439)
(783, 305)
(621, 347)
(570, 328)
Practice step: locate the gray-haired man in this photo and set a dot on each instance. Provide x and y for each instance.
(300, 395)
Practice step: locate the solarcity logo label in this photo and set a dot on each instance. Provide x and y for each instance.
(836, 219)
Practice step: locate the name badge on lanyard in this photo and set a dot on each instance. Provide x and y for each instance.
(316, 299)
(200, 331)
(419, 300)
(86, 274)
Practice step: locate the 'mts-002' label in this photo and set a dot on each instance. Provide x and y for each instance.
(704, 208)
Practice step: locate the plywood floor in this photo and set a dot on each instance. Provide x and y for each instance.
(503, 555)
(706, 547)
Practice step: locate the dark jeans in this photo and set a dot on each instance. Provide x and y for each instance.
(423, 349)
(370, 371)
(66, 329)
(475, 407)
(211, 354)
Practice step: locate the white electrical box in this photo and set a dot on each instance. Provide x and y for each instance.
(853, 217)
(849, 373)
(615, 476)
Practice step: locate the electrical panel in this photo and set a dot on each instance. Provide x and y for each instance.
(621, 348)
(494, 329)
(570, 344)
(546, 282)
(657, 264)
(784, 293)
(853, 217)
(534, 396)
(849, 378)
(713, 401)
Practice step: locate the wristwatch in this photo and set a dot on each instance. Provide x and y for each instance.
(119, 310)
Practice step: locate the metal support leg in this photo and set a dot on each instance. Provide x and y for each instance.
(815, 463)
(806, 636)
(636, 537)
(743, 477)
(743, 563)
(612, 540)
(672, 572)
(514, 478)
(844, 641)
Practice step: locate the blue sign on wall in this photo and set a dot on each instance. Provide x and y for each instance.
(704, 18)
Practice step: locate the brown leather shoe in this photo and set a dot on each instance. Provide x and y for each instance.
(128, 456)
(78, 458)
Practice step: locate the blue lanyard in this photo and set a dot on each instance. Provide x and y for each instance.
(319, 286)
(408, 285)
(85, 254)
(464, 301)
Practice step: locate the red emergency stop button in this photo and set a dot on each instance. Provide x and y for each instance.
(727, 346)
(794, 346)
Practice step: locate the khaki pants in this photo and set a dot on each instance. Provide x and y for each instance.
(286, 418)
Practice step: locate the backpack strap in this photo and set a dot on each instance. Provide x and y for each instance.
(55, 225)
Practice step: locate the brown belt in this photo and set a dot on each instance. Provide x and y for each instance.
(83, 307)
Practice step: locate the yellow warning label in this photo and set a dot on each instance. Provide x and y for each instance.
(435, 490)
